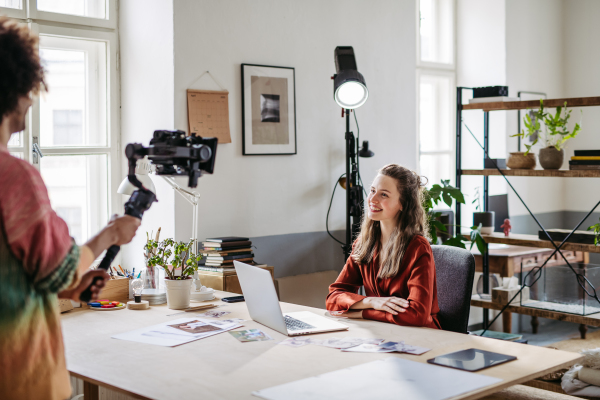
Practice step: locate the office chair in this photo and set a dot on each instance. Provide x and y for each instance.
(455, 270)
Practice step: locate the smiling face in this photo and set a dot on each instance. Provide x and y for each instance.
(384, 200)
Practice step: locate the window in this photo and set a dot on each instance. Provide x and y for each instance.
(74, 123)
(436, 89)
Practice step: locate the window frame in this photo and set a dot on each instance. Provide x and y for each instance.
(440, 69)
(84, 28)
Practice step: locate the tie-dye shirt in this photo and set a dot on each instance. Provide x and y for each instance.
(38, 259)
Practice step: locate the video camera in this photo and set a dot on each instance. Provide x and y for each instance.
(174, 154)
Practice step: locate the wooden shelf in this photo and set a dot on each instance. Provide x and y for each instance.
(561, 173)
(522, 105)
(519, 239)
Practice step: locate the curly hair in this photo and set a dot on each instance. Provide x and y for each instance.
(20, 69)
(411, 221)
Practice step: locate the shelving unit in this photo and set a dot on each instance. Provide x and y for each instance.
(514, 239)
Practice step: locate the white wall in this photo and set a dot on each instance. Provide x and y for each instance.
(581, 58)
(146, 67)
(271, 195)
(534, 63)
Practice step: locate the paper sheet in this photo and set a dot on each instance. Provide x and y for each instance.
(208, 114)
(166, 335)
(392, 378)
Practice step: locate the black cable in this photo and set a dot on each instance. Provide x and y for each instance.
(357, 155)
(537, 270)
(329, 209)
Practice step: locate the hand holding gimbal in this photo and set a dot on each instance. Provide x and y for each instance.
(174, 154)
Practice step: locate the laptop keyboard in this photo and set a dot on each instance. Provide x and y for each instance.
(293, 324)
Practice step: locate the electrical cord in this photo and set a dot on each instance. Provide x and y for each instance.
(358, 156)
(329, 209)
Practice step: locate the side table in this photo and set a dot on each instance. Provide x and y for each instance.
(227, 281)
(506, 261)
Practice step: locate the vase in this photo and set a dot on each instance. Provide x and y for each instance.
(151, 277)
(550, 158)
(486, 219)
(518, 160)
(178, 293)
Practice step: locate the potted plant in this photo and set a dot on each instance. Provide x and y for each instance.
(178, 285)
(520, 159)
(557, 133)
(445, 192)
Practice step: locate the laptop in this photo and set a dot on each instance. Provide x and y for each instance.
(263, 305)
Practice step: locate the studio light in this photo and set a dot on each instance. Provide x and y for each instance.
(349, 87)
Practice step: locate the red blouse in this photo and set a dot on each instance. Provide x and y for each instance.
(415, 282)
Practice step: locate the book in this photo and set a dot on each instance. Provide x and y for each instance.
(225, 262)
(587, 153)
(227, 252)
(221, 249)
(227, 239)
(584, 167)
(499, 335)
(216, 269)
(495, 99)
(584, 162)
(240, 243)
(558, 235)
(226, 258)
(589, 158)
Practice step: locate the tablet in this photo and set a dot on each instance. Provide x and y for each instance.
(471, 359)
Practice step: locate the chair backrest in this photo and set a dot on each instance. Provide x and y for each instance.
(455, 270)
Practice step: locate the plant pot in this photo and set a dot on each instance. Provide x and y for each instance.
(550, 158)
(518, 160)
(178, 293)
(486, 219)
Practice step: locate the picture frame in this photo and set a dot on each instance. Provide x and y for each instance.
(268, 110)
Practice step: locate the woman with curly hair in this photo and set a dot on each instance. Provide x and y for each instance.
(39, 261)
(391, 257)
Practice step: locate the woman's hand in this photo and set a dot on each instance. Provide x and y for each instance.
(393, 305)
(86, 280)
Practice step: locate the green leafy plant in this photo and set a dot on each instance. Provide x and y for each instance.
(477, 199)
(557, 131)
(182, 257)
(596, 228)
(447, 193)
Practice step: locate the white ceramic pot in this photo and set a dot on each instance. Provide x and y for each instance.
(178, 293)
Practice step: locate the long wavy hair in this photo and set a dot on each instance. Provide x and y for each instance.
(410, 221)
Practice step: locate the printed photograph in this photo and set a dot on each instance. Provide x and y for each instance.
(195, 327)
(251, 335)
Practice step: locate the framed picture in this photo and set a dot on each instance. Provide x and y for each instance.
(268, 110)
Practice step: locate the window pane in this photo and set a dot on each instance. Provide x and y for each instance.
(77, 186)
(73, 112)
(84, 8)
(437, 167)
(18, 155)
(11, 4)
(436, 31)
(16, 140)
(436, 132)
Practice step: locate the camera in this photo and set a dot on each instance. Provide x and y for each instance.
(175, 154)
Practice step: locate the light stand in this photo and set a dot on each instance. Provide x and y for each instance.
(350, 92)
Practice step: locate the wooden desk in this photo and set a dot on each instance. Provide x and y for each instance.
(220, 367)
(506, 261)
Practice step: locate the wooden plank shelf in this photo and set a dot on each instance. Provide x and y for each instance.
(522, 105)
(519, 239)
(560, 173)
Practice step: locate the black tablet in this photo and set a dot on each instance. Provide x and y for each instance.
(471, 359)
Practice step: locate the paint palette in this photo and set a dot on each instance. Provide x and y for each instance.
(106, 305)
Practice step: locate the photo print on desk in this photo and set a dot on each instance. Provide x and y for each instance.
(268, 110)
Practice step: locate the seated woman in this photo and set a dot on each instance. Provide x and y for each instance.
(391, 257)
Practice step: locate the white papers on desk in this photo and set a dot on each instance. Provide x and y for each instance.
(392, 378)
(165, 335)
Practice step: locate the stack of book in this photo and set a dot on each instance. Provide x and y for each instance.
(585, 159)
(219, 253)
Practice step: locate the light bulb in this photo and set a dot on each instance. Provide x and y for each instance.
(137, 285)
(351, 94)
